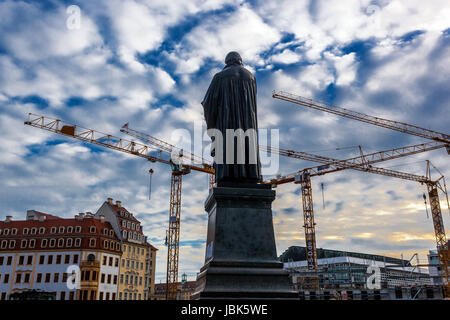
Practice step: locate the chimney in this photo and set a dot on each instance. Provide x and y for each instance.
(102, 218)
(110, 200)
(119, 203)
(8, 219)
(42, 218)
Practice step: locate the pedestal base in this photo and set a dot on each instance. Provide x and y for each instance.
(241, 260)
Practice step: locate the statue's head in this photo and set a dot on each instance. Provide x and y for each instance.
(233, 58)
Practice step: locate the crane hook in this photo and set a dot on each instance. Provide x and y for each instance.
(150, 184)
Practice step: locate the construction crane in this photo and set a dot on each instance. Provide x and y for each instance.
(162, 155)
(380, 122)
(173, 232)
(442, 244)
(303, 177)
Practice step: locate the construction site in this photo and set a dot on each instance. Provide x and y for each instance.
(315, 273)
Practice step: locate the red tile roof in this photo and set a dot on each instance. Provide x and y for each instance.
(85, 233)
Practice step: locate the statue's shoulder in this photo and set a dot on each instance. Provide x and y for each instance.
(235, 72)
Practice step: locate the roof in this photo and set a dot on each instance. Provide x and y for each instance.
(43, 230)
(298, 253)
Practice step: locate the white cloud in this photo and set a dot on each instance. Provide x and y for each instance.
(287, 56)
(243, 31)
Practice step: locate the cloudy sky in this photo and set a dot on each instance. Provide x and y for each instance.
(149, 63)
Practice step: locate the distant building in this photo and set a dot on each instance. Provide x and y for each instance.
(35, 255)
(137, 276)
(340, 272)
(184, 292)
(433, 266)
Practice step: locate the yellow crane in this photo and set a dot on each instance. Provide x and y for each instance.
(161, 154)
(432, 186)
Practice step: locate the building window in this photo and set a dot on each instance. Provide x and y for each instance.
(69, 242)
(25, 230)
(107, 296)
(110, 261)
(58, 259)
(33, 230)
(102, 278)
(62, 296)
(41, 230)
(14, 231)
(115, 279)
(113, 296)
(1, 260)
(12, 244)
(26, 278)
(6, 232)
(61, 229)
(6, 278)
(18, 277)
(44, 243)
(92, 229)
(116, 262)
(92, 242)
(105, 244)
(52, 243)
(124, 234)
(55, 277)
(121, 279)
(9, 261)
(39, 278)
(109, 279)
(21, 260)
(75, 259)
(124, 223)
(4, 244)
(29, 260)
(53, 230)
(104, 260)
(65, 277)
(67, 259)
(78, 229)
(32, 243)
(111, 232)
(47, 277)
(49, 259)
(77, 242)
(60, 242)
(69, 229)
(101, 296)
(120, 295)
(71, 295)
(41, 259)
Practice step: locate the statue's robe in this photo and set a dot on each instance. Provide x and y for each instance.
(230, 103)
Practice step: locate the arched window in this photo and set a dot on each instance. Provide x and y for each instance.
(92, 229)
(69, 229)
(41, 230)
(69, 242)
(124, 234)
(91, 258)
(60, 242)
(44, 243)
(32, 243)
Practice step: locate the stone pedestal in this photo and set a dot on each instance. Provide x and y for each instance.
(240, 260)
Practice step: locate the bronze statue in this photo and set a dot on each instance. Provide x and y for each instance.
(230, 110)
